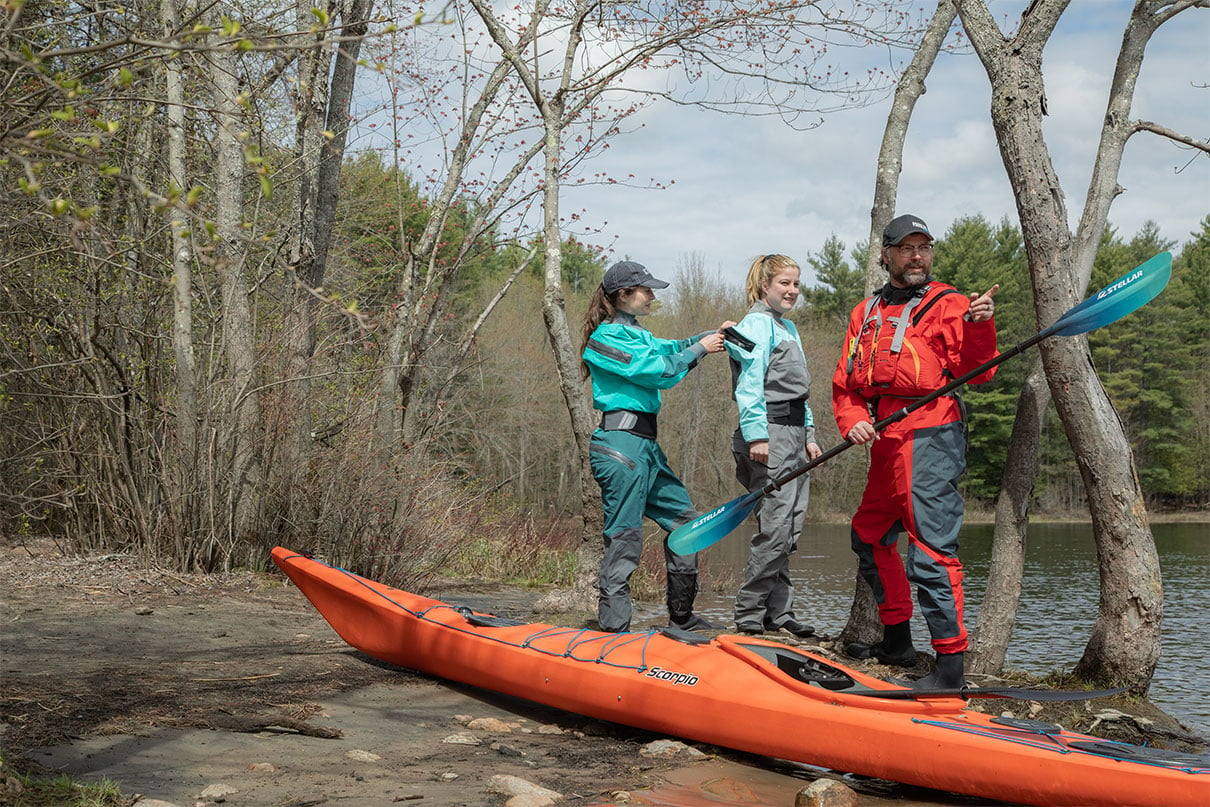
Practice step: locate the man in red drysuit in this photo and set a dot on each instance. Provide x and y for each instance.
(911, 338)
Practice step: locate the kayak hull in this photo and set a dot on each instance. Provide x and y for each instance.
(747, 694)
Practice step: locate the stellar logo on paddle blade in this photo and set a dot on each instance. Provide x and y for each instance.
(688, 679)
(709, 516)
(1122, 282)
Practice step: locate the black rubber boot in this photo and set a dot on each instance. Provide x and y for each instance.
(682, 589)
(895, 648)
(947, 674)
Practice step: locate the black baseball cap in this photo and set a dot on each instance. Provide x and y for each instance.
(903, 226)
(625, 274)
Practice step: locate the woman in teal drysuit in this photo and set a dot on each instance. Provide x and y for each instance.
(629, 367)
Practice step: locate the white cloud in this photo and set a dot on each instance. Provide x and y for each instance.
(963, 149)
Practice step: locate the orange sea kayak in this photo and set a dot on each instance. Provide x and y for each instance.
(751, 695)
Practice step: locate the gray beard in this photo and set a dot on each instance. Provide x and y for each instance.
(912, 278)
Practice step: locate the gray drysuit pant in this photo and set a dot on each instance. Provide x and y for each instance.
(766, 599)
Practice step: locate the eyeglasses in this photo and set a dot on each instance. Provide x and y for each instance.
(907, 250)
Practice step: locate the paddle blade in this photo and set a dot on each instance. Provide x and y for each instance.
(711, 527)
(1123, 296)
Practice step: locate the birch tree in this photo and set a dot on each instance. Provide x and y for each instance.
(182, 252)
(242, 436)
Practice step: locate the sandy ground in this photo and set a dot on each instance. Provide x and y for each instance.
(232, 689)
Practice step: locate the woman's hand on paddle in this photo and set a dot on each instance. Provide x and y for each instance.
(758, 451)
(982, 308)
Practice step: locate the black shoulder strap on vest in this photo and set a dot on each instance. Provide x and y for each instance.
(924, 309)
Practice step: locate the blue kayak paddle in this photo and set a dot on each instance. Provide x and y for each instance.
(1123, 296)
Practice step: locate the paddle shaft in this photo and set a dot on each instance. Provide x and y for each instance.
(992, 692)
(900, 414)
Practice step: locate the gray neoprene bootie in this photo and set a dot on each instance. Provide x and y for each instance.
(800, 629)
(693, 622)
(947, 675)
(895, 648)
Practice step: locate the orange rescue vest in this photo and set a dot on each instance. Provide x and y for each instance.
(890, 355)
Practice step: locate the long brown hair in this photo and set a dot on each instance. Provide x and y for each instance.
(601, 308)
(762, 271)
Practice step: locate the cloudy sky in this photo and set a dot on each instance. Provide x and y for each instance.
(743, 187)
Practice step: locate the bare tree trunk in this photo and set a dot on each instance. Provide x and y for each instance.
(298, 319)
(244, 427)
(188, 416)
(863, 625)
(1125, 641)
(386, 420)
(1003, 589)
(1124, 645)
(554, 313)
(583, 595)
(890, 155)
(182, 254)
(998, 612)
(322, 126)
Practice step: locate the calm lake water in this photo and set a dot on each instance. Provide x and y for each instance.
(1058, 601)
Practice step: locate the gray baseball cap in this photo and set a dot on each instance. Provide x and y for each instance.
(903, 226)
(624, 274)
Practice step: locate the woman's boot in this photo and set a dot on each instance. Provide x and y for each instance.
(682, 589)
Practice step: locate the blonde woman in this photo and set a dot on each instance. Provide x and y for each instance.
(776, 434)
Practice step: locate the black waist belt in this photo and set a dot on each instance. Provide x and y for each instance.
(624, 420)
(787, 413)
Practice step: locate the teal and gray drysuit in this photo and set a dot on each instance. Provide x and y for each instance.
(629, 367)
(770, 384)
